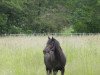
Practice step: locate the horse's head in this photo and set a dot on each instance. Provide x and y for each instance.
(50, 46)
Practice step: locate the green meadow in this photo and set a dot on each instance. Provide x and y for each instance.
(23, 55)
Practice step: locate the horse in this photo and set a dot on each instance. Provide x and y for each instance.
(54, 58)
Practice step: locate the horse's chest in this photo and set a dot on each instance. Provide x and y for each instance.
(56, 66)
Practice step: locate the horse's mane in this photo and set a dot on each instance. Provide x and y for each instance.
(57, 44)
(58, 48)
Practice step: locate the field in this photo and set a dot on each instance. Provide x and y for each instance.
(22, 55)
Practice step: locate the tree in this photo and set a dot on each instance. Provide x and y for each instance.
(84, 16)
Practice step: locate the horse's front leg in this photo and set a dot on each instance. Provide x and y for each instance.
(55, 72)
(62, 71)
(49, 72)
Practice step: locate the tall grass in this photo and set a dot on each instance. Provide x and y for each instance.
(23, 55)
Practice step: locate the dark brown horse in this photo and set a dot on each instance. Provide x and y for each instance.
(54, 57)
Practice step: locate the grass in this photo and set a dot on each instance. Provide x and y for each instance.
(23, 55)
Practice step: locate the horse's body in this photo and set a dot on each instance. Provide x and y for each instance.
(54, 57)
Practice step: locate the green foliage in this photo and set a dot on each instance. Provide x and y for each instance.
(67, 30)
(85, 16)
(39, 16)
(3, 20)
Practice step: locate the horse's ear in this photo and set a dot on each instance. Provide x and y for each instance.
(48, 37)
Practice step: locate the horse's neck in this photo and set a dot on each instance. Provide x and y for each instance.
(58, 51)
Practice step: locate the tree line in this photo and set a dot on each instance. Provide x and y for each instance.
(48, 16)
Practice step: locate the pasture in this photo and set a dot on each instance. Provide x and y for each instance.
(23, 55)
